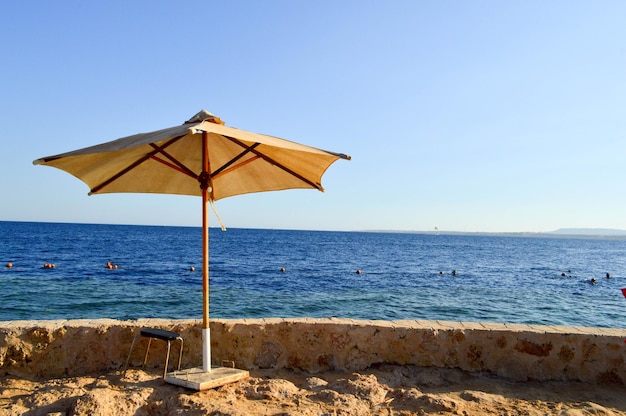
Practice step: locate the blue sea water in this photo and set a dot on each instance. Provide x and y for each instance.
(499, 278)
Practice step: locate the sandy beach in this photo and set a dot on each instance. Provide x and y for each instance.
(383, 390)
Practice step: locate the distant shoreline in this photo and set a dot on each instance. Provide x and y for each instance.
(584, 233)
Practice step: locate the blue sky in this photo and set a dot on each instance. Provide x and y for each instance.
(461, 115)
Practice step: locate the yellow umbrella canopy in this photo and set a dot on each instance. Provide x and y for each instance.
(170, 161)
(201, 157)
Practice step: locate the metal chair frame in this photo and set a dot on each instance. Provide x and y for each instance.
(155, 333)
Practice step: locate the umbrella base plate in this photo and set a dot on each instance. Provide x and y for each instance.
(199, 380)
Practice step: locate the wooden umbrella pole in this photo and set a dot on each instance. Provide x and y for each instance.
(206, 334)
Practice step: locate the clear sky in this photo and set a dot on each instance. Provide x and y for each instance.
(462, 115)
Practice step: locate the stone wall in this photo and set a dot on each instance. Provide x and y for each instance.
(43, 349)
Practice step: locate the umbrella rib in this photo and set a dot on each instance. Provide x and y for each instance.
(131, 167)
(235, 159)
(175, 164)
(275, 163)
(223, 171)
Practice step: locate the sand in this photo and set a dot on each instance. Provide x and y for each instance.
(381, 390)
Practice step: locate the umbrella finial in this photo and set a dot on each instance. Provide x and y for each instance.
(204, 115)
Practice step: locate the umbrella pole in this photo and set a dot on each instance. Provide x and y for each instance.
(206, 331)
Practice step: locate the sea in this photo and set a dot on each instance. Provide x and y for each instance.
(257, 273)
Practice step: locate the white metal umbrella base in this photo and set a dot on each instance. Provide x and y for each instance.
(199, 380)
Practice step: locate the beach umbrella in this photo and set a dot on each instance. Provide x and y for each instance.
(201, 157)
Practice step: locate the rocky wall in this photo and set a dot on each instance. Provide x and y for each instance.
(44, 349)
